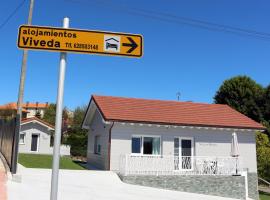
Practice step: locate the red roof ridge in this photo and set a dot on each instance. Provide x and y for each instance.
(13, 105)
(158, 100)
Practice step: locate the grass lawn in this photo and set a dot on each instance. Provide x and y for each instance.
(45, 161)
(264, 196)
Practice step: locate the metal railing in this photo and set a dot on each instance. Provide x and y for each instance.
(174, 165)
(263, 185)
(265, 182)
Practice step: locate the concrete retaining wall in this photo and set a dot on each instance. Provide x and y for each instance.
(225, 186)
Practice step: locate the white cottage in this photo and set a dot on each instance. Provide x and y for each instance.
(153, 137)
(35, 137)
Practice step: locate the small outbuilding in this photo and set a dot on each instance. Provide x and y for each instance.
(35, 137)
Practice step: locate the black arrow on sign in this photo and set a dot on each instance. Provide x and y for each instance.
(132, 44)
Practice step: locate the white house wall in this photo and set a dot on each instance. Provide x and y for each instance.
(206, 142)
(44, 138)
(98, 128)
(31, 112)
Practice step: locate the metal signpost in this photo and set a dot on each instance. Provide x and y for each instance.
(79, 41)
(58, 120)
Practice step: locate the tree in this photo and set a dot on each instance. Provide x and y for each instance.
(243, 94)
(50, 113)
(77, 137)
(266, 109)
(49, 116)
(267, 104)
(78, 116)
(246, 96)
(38, 114)
(7, 113)
(263, 155)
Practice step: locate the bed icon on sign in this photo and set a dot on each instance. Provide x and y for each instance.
(111, 43)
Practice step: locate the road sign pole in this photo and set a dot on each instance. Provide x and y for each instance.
(58, 121)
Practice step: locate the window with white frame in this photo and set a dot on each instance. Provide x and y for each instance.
(97, 145)
(145, 145)
(183, 152)
(22, 138)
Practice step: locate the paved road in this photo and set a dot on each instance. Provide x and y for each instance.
(86, 185)
(3, 180)
(264, 189)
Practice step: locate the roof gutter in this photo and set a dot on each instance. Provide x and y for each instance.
(87, 110)
(109, 146)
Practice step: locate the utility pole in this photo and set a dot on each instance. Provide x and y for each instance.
(23, 68)
(20, 99)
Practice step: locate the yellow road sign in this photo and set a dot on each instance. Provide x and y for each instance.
(80, 41)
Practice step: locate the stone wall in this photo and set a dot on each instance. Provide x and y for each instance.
(253, 186)
(225, 186)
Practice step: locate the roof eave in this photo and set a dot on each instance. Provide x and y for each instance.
(183, 124)
(39, 122)
(95, 104)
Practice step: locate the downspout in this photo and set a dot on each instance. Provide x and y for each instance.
(109, 146)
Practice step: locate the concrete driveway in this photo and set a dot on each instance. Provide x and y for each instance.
(86, 185)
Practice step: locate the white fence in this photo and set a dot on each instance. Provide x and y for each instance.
(173, 165)
(64, 150)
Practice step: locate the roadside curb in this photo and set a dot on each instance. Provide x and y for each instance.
(13, 177)
(7, 170)
(4, 175)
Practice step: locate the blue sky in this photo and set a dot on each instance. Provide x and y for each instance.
(177, 57)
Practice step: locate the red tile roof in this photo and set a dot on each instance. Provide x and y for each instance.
(25, 120)
(172, 113)
(13, 105)
(35, 105)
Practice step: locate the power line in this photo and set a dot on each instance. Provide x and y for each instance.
(196, 22)
(225, 27)
(222, 27)
(179, 20)
(12, 14)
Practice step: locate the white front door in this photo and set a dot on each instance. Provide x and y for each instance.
(183, 152)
